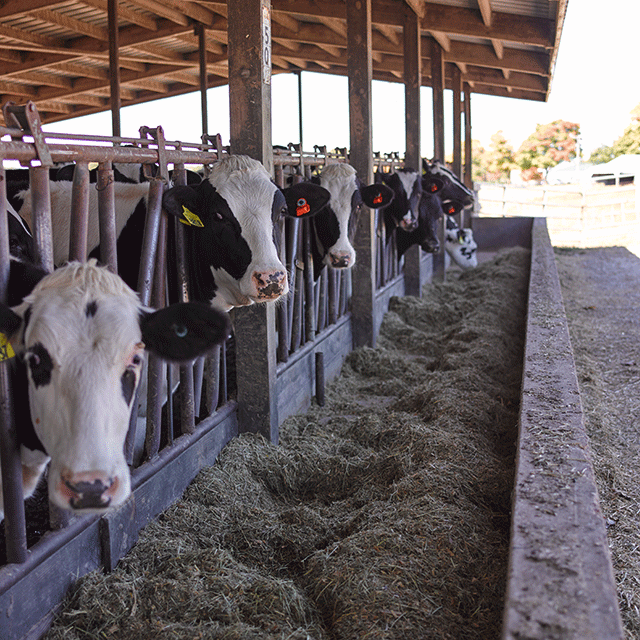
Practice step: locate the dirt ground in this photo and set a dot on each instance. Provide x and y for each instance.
(601, 293)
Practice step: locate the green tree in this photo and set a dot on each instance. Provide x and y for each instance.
(628, 142)
(499, 159)
(549, 145)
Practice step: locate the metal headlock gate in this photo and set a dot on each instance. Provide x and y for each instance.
(313, 325)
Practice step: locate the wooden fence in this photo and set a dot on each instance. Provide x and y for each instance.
(596, 215)
(314, 327)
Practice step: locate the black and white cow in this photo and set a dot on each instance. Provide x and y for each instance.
(402, 212)
(229, 226)
(80, 336)
(334, 227)
(431, 210)
(452, 187)
(230, 230)
(460, 245)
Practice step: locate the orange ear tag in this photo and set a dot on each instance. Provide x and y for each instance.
(302, 207)
(452, 210)
(377, 199)
(434, 188)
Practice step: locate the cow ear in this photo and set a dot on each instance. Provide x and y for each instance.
(182, 202)
(305, 199)
(376, 195)
(433, 185)
(10, 321)
(452, 207)
(184, 331)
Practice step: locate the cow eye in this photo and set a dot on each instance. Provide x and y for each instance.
(40, 365)
(137, 359)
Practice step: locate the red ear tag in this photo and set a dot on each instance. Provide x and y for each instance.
(302, 207)
(452, 210)
(434, 188)
(377, 199)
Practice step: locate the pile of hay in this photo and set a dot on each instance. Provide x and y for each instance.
(383, 514)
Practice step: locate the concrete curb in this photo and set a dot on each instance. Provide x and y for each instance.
(560, 582)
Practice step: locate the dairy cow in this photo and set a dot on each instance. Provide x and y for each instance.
(230, 230)
(334, 227)
(229, 227)
(460, 245)
(81, 335)
(402, 212)
(431, 210)
(452, 186)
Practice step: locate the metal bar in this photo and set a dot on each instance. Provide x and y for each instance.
(107, 216)
(79, 213)
(41, 217)
(320, 378)
(12, 492)
(114, 65)
(309, 298)
(212, 380)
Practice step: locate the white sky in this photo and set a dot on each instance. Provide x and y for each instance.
(596, 84)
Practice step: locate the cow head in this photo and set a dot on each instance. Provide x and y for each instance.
(460, 245)
(402, 212)
(229, 227)
(452, 187)
(82, 334)
(334, 226)
(430, 211)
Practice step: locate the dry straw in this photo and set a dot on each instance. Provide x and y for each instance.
(383, 514)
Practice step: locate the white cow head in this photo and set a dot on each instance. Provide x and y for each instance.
(82, 334)
(460, 245)
(230, 230)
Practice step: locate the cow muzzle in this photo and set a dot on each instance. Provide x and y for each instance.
(431, 246)
(87, 490)
(408, 223)
(340, 259)
(270, 285)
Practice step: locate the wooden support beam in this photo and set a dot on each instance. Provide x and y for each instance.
(250, 126)
(468, 160)
(412, 83)
(456, 81)
(361, 158)
(437, 85)
(114, 67)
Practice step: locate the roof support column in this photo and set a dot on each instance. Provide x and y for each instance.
(457, 120)
(412, 82)
(249, 48)
(204, 79)
(468, 164)
(114, 66)
(437, 84)
(359, 68)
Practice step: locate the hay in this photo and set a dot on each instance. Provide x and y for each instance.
(383, 514)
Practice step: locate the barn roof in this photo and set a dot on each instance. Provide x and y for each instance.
(56, 52)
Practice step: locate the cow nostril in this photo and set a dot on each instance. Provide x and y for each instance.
(90, 494)
(270, 284)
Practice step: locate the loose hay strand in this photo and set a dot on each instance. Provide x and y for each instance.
(383, 514)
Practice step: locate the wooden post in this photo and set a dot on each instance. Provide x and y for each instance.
(468, 175)
(457, 120)
(249, 46)
(437, 84)
(359, 69)
(204, 79)
(114, 66)
(413, 159)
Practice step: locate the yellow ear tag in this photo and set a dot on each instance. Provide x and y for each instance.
(6, 350)
(191, 218)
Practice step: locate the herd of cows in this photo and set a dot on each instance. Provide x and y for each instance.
(81, 332)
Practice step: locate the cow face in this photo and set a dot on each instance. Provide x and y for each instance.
(82, 334)
(229, 227)
(402, 213)
(452, 187)
(460, 245)
(334, 226)
(426, 233)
